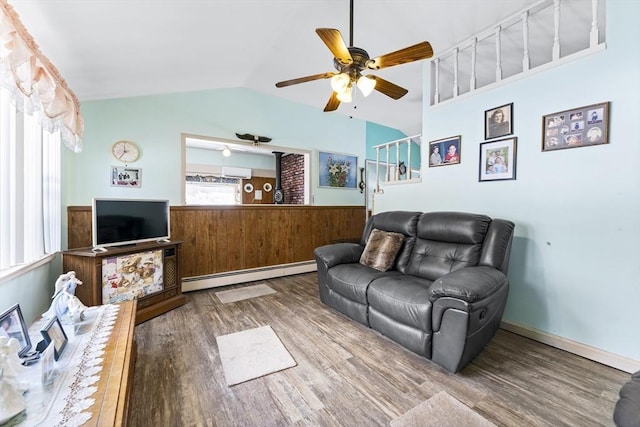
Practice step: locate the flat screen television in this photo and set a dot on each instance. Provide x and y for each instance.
(129, 221)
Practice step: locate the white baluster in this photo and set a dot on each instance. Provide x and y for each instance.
(436, 96)
(397, 161)
(472, 82)
(409, 158)
(526, 63)
(388, 174)
(377, 169)
(498, 54)
(593, 39)
(456, 54)
(555, 54)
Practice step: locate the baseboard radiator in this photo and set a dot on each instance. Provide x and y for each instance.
(248, 275)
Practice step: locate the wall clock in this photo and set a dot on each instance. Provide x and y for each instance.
(125, 151)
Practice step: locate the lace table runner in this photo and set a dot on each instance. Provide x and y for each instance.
(65, 401)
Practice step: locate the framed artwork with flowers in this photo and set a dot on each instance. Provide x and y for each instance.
(337, 170)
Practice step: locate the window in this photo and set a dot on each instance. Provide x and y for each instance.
(212, 190)
(30, 224)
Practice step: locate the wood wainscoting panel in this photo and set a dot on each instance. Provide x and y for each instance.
(221, 239)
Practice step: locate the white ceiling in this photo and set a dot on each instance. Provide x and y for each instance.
(121, 48)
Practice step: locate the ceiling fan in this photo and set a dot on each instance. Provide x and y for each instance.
(351, 61)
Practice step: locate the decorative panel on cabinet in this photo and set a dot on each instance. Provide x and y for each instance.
(146, 272)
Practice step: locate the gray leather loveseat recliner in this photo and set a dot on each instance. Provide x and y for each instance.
(443, 296)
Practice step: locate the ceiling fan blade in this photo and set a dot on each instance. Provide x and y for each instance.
(416, 52)
(305, 79)
(333, 103)
(334, 41)
(392, 90)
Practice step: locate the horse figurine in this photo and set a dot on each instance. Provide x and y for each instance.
(65, 305)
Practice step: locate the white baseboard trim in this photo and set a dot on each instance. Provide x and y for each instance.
(249, 275)
(592, 353)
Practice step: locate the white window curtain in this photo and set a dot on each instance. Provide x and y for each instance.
(30, 219)
(37, 112)
(38, 87)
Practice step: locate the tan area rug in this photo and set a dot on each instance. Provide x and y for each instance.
(247, 292)
(441, 410)
(252, 354)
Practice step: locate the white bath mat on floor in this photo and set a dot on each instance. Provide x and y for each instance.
(441, 410)
(247, 292)
(252, 354)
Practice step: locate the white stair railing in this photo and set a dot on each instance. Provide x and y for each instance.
(543, 35)
(392, 155)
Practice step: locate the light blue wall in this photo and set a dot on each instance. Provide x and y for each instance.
(575, 264)
(155, 123)
(32, 290)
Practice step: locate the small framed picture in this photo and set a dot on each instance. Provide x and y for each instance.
(498, 121)
(54, 333)
(579, 127)
(446, 151)
(12, 326)
(126, 177)
(498, 160)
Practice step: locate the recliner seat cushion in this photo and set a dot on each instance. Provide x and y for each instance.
(404, 299)
(352, 280)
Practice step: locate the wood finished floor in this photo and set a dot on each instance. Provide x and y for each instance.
(347, 374)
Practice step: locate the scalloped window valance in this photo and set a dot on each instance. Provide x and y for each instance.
(36, 84)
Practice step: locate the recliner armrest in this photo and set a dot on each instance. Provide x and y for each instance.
(470, 284)
(339, 253)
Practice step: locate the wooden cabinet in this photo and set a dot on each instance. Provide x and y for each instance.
(161, 294)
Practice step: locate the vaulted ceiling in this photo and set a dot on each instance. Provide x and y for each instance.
(121, 48)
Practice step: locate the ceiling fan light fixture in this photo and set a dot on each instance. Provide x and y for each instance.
(346, 94)
(226, 152)
(339, 82)
(366, 85)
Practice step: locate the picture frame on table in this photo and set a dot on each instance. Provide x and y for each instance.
(498, 160)
(445, 151)
(498, 121)
(578, 127)
(12, 326)
(337, 170)
(53, 332)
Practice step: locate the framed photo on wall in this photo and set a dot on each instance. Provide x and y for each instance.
(578, 127)
(126, 177)
(446, 151)
(12, 326)
(498, 160)
(498, 121)
(337, 170)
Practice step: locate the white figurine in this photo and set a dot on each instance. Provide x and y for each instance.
(11, 401)
(11, 365)
(65, 305)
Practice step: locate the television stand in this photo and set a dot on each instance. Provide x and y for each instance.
(157, 289)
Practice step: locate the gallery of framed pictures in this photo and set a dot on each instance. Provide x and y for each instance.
(337, 170)
(498, 160)
(498, 121)
(446, 151)
(578, 127)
